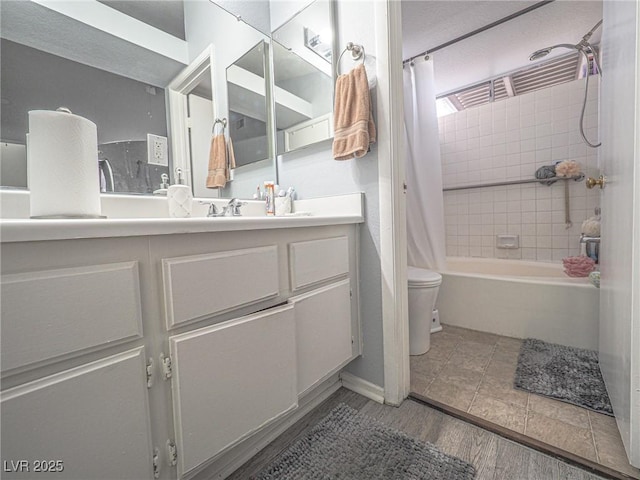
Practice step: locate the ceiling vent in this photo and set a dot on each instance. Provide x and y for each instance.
(547, 74)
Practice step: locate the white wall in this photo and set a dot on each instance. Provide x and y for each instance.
(283, 10)
(509, 140)
(620, 253)
(314, 173)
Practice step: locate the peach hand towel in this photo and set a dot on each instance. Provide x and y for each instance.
(353, 125)
(217, 177)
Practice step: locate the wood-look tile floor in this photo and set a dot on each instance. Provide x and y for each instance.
(474, 371)
(493, 456)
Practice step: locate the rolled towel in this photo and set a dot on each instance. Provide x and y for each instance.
(353, 125)
(567, 168)
(580, 266)
(591, 227)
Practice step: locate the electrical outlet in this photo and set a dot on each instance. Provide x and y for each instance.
(157, 151)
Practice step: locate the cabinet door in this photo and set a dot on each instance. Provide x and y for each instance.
(323, 332)
(229, 380)
(94, 419)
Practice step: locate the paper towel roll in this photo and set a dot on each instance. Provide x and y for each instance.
(63, 165)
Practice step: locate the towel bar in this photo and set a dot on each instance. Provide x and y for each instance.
(223, 121)
(357, 53)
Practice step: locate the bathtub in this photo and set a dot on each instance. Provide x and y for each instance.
(519, 299)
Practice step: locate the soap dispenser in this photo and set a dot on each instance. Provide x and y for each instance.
(164, 185)
(179, 197)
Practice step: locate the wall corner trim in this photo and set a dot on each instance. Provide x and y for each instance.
(363, 387)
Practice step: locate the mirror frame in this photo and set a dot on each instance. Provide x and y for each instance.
(177, 109)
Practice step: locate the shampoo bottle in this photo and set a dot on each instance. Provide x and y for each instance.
(179, 197)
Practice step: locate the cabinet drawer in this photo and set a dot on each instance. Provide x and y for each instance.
(198, 286)
(230, 380)
(323, 332)
(318, 260)
(54, 313)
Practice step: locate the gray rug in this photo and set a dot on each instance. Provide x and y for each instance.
(565, 373)
(349, 445)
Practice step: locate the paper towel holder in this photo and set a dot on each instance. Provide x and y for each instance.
(63, 109)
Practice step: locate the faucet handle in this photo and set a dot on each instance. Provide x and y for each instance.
(236, 208)
(213, 210)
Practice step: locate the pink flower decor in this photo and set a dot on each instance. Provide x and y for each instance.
(580, 266)
(567, 168)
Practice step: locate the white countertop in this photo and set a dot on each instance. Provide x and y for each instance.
(27, 230)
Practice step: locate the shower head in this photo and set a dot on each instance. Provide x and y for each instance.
(539, 54)
(543, 52)
(583, 46)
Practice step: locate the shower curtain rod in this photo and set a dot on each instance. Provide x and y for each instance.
(480, 30)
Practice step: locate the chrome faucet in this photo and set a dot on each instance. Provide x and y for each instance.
(234, 207)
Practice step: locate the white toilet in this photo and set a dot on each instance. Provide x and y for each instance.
(423, 292)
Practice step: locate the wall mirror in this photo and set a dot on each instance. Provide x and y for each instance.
(101, 64)
(112, 63)
(303, 51)
(247, 101)
(239, 92)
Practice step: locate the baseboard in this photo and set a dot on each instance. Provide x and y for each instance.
(363, 387)
(238, 456)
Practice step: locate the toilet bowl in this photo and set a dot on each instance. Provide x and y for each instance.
(423, 292)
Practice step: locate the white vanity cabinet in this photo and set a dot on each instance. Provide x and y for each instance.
(170, 356)
(74, 400)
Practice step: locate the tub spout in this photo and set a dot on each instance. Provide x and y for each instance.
(590, 246)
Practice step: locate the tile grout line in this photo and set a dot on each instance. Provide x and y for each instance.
(443, 366)
(484, 374)
(593, 437)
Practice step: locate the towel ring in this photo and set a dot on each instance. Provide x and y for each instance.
(223, 121)
(357, 53)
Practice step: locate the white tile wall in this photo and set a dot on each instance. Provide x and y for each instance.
(509, 140)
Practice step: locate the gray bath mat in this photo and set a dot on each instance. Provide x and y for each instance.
(348, 445)
(565, 373)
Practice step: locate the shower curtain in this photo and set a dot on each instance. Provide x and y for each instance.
(425, 209)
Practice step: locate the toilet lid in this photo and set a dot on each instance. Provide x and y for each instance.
(423, 277)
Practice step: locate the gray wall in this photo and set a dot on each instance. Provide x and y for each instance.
(314, 173)
(165, 15)
(30, 79)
